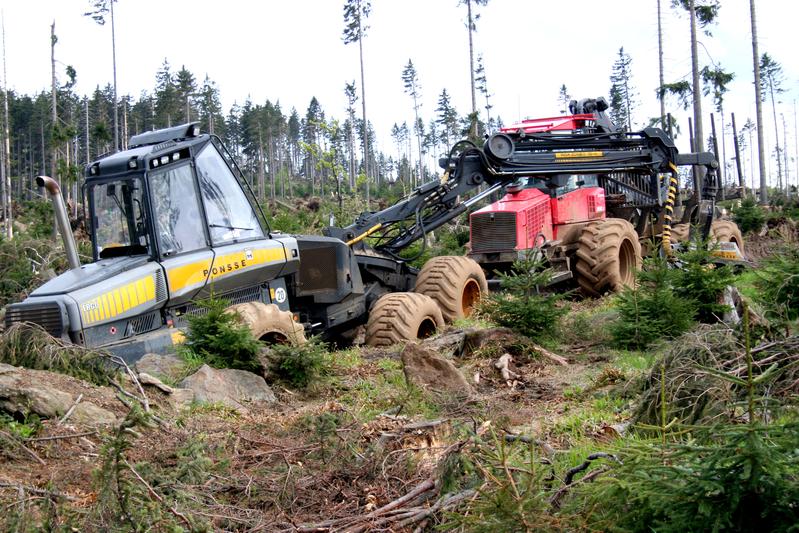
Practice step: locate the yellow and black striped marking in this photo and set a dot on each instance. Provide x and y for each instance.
(117, 301)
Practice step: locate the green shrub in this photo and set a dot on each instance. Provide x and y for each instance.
(523, 308)
(220, 339)
(699, 280)
(749, 216)
(778, 283)
(651, 310)
(30, 346)
(731, 478)
(300, 365)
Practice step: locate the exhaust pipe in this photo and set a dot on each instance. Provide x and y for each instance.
(61, 218)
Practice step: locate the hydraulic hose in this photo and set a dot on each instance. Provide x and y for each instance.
(669, 211)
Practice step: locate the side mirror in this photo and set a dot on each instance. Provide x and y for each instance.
(110, 189)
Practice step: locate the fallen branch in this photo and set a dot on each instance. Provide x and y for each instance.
(158, 497)
(568, 481)
(34, 490)
(70, 410)
(549, 355)
(18, 443)
(59, 437)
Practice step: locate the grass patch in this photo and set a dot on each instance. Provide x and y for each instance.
(388, 391)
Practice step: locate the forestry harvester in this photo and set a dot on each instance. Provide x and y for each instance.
(172, 221)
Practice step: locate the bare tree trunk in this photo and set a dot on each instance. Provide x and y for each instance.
(261, 172)
(737, 155)
(54, 117)
(7, 202)
(471, 73)
(114, 59)
(785, 155)
(776, 135)
(363, 107)
(660, 72)
(699, 172)
(761, 144)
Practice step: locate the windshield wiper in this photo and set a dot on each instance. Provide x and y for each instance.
(229, 227)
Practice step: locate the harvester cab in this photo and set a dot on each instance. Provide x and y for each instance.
(170, 223)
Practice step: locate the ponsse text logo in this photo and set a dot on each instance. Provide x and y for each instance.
(226, 268)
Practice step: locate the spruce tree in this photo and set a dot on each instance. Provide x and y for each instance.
(622, 93)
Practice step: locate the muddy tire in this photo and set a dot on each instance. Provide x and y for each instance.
(455, 283)
(608, 256)
(680, 232)
(402, 317)
(726, 231)
(269, 324)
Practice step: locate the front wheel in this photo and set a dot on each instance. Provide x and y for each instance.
(726, 231)
(608, 256)
(269, 324)
(402, 317)
(456, 283)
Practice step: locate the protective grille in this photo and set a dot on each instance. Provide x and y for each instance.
(632, 189)
(249, 294)
(47, 315)
(493, 232)
(591, 206)
(535, 221)
(142, 324)
(160, 287)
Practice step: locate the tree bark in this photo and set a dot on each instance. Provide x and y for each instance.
(471, 74)
(363, 107)
(660, 72)
(7, 202)
(114, 60)
(761, 149)
(699, 172)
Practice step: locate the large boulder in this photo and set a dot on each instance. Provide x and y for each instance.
(427, 370)
(231, 387)
(26, 391)
(162, 366)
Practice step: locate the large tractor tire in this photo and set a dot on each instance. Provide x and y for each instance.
(402, 317)
(269, 324)
(608, 256)
(726, 231)
(455, 283)
(680, 232)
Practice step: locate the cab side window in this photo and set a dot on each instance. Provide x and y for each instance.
(230, 216)
(178, 220)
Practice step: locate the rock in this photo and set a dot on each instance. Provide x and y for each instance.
(180, 398)
(229, 386)
(86, 413)
(17, 395)
(147, 379)
(427, 370)
(177, 398)
(169, 366)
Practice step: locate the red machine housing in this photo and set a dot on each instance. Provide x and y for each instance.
(529, 218)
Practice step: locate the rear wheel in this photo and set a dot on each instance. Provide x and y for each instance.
(680, 232)
(608, 256)
(726, 231)
(455, 283)
(401, 317)
(269, 324)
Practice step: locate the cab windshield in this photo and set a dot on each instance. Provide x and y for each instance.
(118, 224)
(573, 182)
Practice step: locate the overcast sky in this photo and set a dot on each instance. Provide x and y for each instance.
(289, 51)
